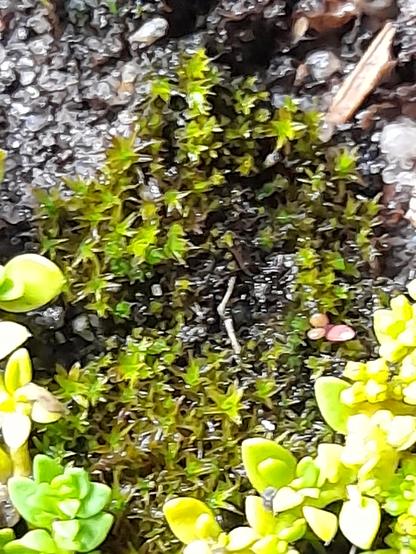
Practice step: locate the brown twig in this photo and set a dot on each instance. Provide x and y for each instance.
(365, 77)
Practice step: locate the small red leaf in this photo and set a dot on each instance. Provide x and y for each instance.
(339, 333)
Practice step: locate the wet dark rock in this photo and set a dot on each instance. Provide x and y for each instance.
(322, 64)
(246, 33)
(149, 32)
(52, 317)
(9, 517)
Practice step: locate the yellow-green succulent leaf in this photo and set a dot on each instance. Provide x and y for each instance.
(12, 335)
(42, 415)
(402, 432)
(267, 463)
(206, 527)
(392, 350)
(323, 523)
(286, 498)
(359, 521)
(18, 370)
(401, 307)
(198, 547)
(266, 545)
(241, 538)
(42, 281)
(6, 466)
(182, 515)
(292, 531)
(329, 462)
(16, 428)
(387, 324)
(10, 290)
(261, 520)
(328, 391)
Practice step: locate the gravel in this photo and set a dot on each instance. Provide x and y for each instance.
(67, 85)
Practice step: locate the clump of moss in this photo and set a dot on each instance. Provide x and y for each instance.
(196, 137)
(213, 183)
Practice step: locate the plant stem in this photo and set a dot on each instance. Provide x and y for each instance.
(22, 464)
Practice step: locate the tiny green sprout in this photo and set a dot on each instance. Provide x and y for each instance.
(22, 401)
(66, 509)
(28, 282)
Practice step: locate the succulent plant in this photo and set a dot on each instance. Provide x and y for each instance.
(22, 401)
(64, 507)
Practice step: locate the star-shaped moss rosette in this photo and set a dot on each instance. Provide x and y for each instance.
(29, 281)
(22, 401)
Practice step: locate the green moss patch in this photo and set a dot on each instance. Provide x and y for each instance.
(213, 184)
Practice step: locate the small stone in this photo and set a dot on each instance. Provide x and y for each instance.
(81, 326)
(9, 516)
(150, 32)
(39, 24)
(322, 64)
(52, 317)
(27, 77)
(36, 122)
(156, 290)
(398, 141)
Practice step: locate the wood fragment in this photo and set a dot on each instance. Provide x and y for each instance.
(365, 77)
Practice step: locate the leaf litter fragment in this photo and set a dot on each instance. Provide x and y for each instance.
(368, 73)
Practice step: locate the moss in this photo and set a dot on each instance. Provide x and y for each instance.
(214, 182)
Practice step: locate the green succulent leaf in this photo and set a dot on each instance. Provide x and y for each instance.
(83, 534)
(32, 501)
(328, 397)
(74, 482)
(42, 280)
(65, 534)
(6, 536)
(307, 473)
(267, 463)
(45, 468)
(38, 540)
(96, 500)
